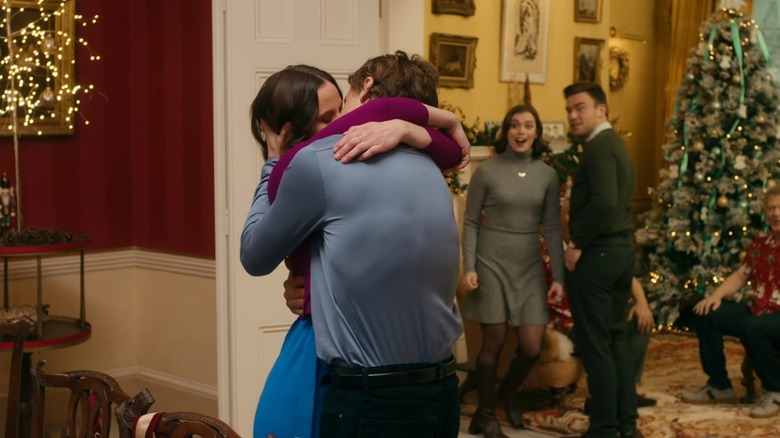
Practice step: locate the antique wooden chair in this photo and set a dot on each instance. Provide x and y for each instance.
(89, 410)
(749, 377)
(17, 331)
(173, 424)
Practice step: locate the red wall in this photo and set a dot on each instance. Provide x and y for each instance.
(141, 173)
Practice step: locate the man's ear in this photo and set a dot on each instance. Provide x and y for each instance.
(602, 109)
(368, 82)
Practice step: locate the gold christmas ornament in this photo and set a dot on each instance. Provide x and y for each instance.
(698, 146)
(47, 98)
(723, 202)
(771, 183)
(761, 118)
(737, 78)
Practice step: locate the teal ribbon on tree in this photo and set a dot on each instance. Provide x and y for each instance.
(684, 160)
(708, 238)
(763, 46)
(738, 52)
(737, 41)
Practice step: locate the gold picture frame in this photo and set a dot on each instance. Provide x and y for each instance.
(587, 59)
(455, 59)
(523, 45)
(456, 7)
(587, 11)
(43, 57)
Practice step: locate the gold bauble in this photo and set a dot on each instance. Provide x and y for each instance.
(737, 78)
(761, 118)
(771, 183)
(698, 145)
(47, 99)
(723, 202)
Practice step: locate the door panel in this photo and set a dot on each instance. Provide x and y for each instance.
(260, 38)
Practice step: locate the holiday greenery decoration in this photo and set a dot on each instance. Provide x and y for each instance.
(721, 154)
(478, 134)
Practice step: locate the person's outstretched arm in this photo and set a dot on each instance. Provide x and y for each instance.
(416, 126)
(734, 282)
(446, 152)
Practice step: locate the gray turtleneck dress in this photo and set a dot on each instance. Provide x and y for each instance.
(512, 198)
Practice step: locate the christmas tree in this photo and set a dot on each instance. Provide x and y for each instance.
(722, 152)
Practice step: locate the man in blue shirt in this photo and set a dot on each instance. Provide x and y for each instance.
(384, 265)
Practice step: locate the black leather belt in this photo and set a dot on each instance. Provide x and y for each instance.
(391, 375)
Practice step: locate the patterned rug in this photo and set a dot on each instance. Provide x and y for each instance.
(672, 367)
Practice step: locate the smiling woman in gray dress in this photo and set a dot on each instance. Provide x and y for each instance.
(511, 198)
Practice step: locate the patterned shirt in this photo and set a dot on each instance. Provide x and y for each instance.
(762, 266)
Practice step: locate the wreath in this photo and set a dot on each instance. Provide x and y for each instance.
(618, 68)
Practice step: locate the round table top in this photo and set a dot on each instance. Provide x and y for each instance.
(77, 240)
(58, 331)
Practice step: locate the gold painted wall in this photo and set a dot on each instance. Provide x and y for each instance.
(489, 97)
(634, 104)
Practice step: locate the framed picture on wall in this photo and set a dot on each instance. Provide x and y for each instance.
(555, 134)
(42, 60)
(456, 7)
(587, 59)
(455, 59)
(587, 11)
(524, 27)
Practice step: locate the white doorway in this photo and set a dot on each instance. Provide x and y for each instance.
(251, 40)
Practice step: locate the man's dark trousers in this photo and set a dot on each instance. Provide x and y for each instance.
(759, 334)
(427, 410)
(599, 289)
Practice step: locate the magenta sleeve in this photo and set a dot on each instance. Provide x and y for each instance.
(375, 110)
(443, 149)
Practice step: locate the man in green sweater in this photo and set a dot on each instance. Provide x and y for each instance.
(600, 261)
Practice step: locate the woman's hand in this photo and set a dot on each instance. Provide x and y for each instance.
(470, 281)
(293, 293)
(274, 141)
(555, 293)
(366, 140)
(457, 133)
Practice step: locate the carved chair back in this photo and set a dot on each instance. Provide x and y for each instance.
(92, 396)
(175, 424)
(17, 331)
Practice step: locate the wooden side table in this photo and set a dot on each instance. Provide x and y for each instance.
(50, 331)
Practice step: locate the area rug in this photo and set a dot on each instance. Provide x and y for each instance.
(671, 368)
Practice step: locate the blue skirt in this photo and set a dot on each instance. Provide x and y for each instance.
(291, 402)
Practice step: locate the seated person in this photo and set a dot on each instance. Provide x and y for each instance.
(640, 325)
(757, 326)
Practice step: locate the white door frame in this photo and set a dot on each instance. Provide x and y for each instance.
(403, 29)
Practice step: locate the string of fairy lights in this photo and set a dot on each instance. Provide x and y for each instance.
(38, 91)
(38, 83)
